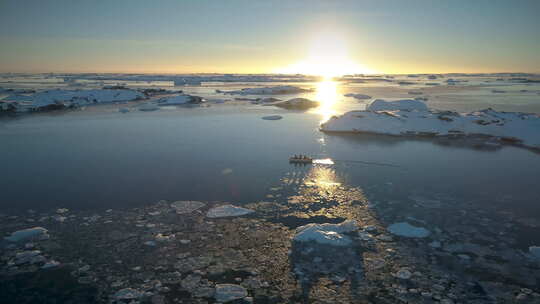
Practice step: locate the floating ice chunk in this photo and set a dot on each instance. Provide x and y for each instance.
(498, 91)
(272, 117)
(31, 257)
(415, 93)
(62, 210)
(298, 104)
(50, 264)
(183, 207)
(148, 107)
(227, 211)
(358, 96)
(127, 294)
(229, 292)
(407, 230)
(403, 274)
(403, 104)
(179, 100)
(535, 251)
(326, 234)
(38, 233)
(123, 110)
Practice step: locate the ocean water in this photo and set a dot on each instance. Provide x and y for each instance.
(98, 158)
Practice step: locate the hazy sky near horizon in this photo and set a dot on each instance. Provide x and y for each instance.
(251, 36)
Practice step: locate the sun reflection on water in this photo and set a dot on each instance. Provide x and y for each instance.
(327, 95)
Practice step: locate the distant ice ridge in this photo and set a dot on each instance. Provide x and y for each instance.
(413, 118)
(284, 89)
(60, 98)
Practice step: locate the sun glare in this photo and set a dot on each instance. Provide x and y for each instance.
(327, 94)
(328, 57)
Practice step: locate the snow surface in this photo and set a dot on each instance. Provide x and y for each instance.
(326, 234)
(514, 127)
(227, 211)
(30, 233)
(407, 230)
(284, 89)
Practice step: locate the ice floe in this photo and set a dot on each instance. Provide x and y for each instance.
(326, 234)
(407, 230)
(227, 211)
(276, 90)
(182, 207)
(298, 104)
(412, 118)
(38, 233)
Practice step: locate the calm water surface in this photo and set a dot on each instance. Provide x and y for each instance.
(99, 158)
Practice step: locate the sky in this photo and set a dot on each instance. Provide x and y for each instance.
(235, 36)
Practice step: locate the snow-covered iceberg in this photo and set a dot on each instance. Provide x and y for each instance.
(60, 98)
(413, 118)
(283, 89)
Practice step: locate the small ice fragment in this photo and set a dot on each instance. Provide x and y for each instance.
(408, 230)
(328, 234)
(38, 233)
(182, 207)
(229, 292)
(227, 211)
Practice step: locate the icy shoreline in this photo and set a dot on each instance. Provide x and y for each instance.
(412, 118)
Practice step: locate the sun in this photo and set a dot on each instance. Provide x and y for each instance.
(328, 57)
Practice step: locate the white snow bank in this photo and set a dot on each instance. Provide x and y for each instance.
(284, 89)
(326, 234)
(227, 211)
(179, 100)
(518, 128)
(38, 233)
(358, 96)
(408, 230)
(402, 104)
